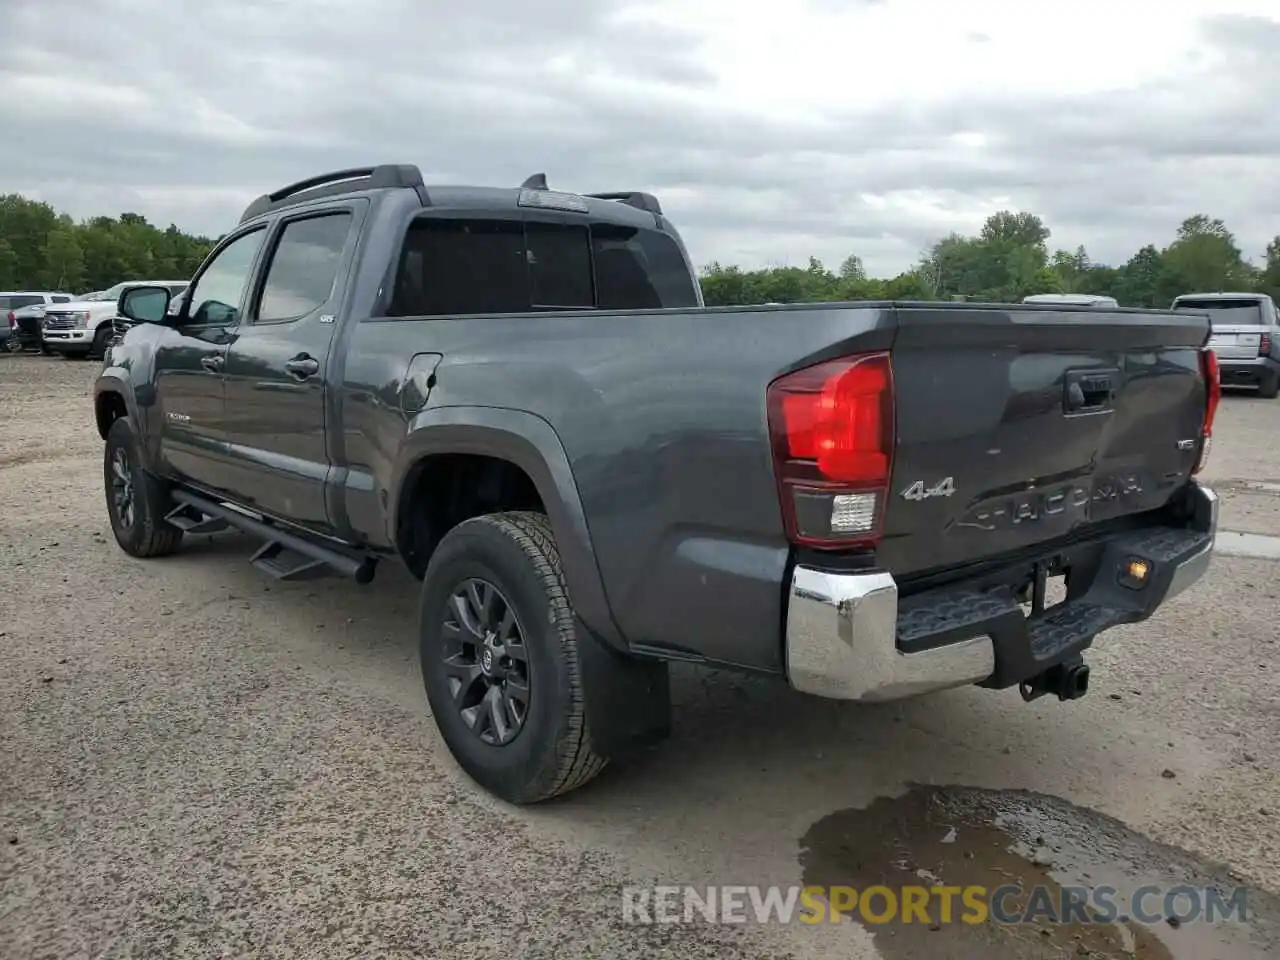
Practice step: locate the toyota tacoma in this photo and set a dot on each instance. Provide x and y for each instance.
(518, 393)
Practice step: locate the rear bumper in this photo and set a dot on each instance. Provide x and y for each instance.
(849, 637)
(1247, 372)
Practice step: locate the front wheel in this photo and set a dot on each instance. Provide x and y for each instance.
(499, 652)
(136, 500)
(100, 340)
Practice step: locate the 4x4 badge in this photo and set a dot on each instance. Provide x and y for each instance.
(918, 491)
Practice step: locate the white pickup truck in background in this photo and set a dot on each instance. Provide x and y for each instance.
(83, 328)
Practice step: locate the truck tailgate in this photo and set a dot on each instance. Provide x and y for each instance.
(1016, 426)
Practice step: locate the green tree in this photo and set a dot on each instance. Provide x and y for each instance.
(1204, 257)
(851, 268)
(63, 260)
(1269, 277)
(9, 276)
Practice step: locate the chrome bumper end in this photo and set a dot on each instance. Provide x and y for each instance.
(841, 641)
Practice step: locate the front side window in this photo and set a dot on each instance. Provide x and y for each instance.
(304, 267)
(218, 292)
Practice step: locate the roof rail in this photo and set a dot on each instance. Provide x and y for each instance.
(632, 198)
(339, 181)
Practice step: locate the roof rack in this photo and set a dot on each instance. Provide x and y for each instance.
(632, 198)
(340, 181)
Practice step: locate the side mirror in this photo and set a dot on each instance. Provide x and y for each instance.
(144, 304)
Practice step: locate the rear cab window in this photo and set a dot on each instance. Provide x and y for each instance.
(18, 301)
(481, 265)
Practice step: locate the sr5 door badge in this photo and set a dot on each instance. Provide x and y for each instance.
(919, 491)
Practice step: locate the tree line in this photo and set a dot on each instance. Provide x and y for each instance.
(41, 249)
(1009, 258)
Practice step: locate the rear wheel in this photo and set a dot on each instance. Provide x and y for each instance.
(499, 652)
(1269, 388)
(136, 501)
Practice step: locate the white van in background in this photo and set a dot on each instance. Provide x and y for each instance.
(1072, 299)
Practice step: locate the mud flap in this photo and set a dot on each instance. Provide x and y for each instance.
(628, 700)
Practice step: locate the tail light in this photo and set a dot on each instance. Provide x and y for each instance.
(1264, 345)
(832, 430)
(13, 319)
(1213, 393)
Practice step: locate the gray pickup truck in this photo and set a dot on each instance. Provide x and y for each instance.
(518, 393)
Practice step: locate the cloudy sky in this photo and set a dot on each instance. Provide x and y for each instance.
(770, 131)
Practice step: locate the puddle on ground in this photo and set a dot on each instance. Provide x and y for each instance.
(959, 836)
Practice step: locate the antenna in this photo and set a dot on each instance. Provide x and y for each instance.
(536, 182)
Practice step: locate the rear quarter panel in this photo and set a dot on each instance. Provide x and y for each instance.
(661, 415)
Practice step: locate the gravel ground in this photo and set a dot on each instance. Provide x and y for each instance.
(196, 761)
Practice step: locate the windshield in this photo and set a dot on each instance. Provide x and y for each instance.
(112, 293)
(1223, 313)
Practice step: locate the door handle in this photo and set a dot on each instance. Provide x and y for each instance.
(213, 364)
(302, 367)
(1090, 391)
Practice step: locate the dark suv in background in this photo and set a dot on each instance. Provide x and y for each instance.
(22, 316)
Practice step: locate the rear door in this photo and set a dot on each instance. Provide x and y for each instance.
(276, 370)
(1021, 425)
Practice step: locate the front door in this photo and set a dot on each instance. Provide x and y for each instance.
(276, 386)
(189, 359)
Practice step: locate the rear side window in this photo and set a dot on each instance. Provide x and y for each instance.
(460, 267)
(304, 266)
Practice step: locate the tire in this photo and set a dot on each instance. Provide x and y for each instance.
(550, 751)
(140, 530)
(1269, 388)
(100, 339)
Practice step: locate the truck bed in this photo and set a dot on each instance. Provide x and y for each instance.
(664, 423)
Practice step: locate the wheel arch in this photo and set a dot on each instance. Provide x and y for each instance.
(530, 445)
(113, 398)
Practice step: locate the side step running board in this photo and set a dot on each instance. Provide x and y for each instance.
(285, 555)
(190, 519)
